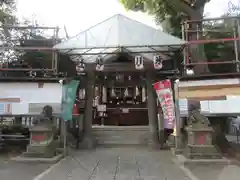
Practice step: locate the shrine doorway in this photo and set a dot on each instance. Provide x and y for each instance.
(123, 93)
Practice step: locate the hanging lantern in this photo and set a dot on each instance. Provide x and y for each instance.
(81, 94)
(190, 72)
(157, 62)
(75, 110)
(100, 65)
(81, 66)
(139, 62)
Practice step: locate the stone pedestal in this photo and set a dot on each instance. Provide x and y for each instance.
(199, 144)
(42, 144)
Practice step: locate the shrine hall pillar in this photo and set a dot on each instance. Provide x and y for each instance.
(88, 140)
(152, 112)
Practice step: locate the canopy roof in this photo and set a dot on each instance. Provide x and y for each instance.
(119, 33)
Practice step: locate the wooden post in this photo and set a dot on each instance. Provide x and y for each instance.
(152, 112)
(88, 140)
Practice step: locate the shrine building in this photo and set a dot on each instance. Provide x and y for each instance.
(118, 60)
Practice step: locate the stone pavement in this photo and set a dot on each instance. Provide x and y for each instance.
(117, 164)
(19, 171)
(215, 172)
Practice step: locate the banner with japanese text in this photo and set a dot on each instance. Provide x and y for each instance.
(68, 99)
(165, 97)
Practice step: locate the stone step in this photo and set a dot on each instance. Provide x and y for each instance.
(125, 135)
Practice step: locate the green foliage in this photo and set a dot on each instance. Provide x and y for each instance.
(167, 12)
(7, 9)
(170, 13)
(220, 51)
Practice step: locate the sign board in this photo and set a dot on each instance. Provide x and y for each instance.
(165, 97)
(68, 99)
(125, 110)
(101, 108)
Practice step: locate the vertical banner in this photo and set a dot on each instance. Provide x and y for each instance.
(165, 97)
(68, 99)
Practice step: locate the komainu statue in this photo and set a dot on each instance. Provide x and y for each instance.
(199, 145)
(42, 142)
(45, 117)
(195, 117)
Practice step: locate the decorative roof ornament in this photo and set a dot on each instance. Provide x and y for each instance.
(139, 62)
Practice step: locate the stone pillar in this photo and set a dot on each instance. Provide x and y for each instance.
(178, 120)
(161, 127)
(88, 140)
(152, 112)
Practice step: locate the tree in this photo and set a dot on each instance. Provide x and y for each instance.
(175, 11)
(7, 17)
(222, 51)
(7, 8)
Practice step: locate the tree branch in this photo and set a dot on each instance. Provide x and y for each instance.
(200, 3)
(186, 7)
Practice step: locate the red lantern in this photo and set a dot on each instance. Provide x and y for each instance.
(75, 110)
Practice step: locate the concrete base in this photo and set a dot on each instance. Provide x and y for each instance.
(176, 151)
(52, 160)
(185, 161)
(88, 143)
(155, 146)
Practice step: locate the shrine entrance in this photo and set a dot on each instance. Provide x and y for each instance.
(123, 94)
(117, 62)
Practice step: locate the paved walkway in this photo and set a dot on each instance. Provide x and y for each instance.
(116, 164)
(20, 171)
(215, 172)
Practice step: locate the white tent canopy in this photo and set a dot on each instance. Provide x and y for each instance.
(118, 32)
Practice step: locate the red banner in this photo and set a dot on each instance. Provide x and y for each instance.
(165, 97)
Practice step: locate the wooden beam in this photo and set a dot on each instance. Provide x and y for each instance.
(10, 100)
(216, 98)
(210, 92)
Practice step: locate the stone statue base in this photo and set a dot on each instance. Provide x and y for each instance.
(42, 143)
(199, 144)
(40, 152)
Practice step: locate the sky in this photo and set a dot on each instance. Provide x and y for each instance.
(78, 15)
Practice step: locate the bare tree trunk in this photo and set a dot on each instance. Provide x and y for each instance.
(197, 50)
